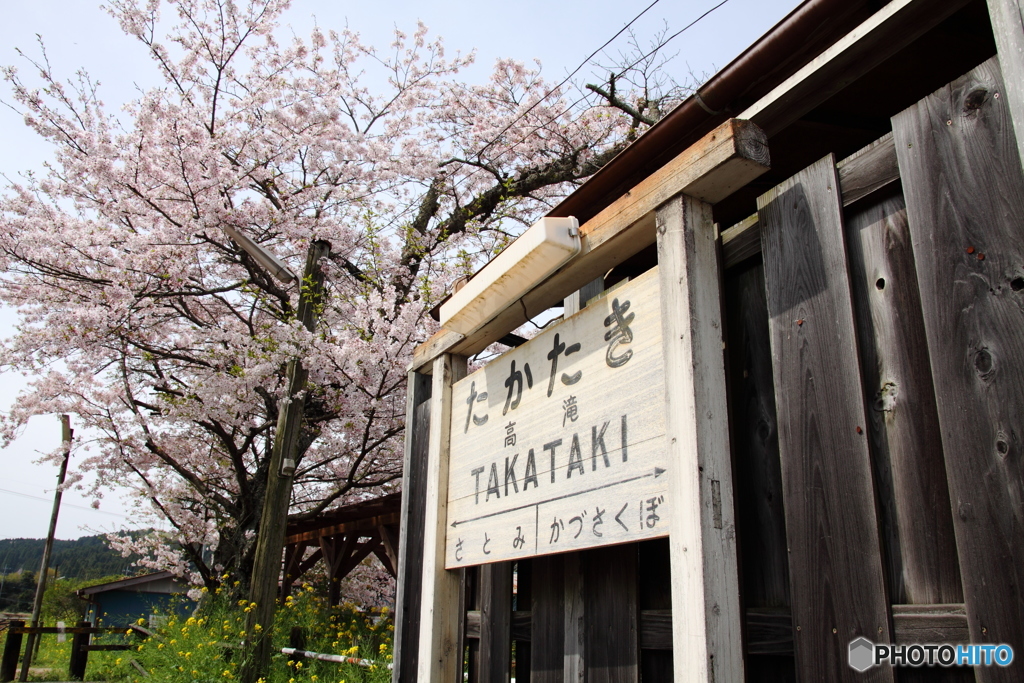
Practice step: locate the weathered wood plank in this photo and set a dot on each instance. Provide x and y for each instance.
(741, 241)
(470, 594)
(755, 443)
(521, 619)
(930, 623)
(610, 597)
(424, 354)
(410, 553)
(1007, 18)
(835, 565)
(496, 622)
(521, 624)
(864, 172)
(705, 583)
(654, 596)
(574, 667)
(965, 197)
(882, 35)
(547, 644)
(439, 658)
(720, 163)
(868, 170)
(903, 424)
(577, 301)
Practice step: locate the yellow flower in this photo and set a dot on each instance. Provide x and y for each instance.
(117, 662)
(257, 628)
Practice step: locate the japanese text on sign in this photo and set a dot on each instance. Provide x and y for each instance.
(559, 444)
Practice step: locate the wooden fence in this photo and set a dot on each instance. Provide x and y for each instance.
(80, 645)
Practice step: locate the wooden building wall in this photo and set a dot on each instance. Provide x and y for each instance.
(874, 322)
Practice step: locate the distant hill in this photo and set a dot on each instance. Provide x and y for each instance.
(85, 558)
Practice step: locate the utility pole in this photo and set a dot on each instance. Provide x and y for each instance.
(37, 606)
(266, 570)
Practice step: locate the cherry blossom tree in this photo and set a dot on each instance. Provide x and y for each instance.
(140, 316)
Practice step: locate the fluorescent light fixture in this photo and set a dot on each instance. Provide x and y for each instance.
(528, 261)
(270, 262)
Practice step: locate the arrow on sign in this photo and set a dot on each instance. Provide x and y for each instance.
(658, 471)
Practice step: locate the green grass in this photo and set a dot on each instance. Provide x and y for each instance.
(205, 647)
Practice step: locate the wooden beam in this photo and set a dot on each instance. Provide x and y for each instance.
(1007, 18)
(708, 643)
(724, 160)
(770, 631)
(741, 241)
(868, 170)
(439, 658)
(366, 526)
(861, 174)
(882, 35)
(389, 535)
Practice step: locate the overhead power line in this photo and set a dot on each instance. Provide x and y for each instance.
(70, 505)
(564, 80)
(572, 106)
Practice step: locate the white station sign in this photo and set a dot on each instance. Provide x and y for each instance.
(559, 444)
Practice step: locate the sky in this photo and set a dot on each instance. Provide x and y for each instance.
(79, 34)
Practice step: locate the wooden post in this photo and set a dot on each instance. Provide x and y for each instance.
(410, 552)
(706, 624)
(12, 650)
(439, 658)
(574, 643)
(297, 640)
(610, 629)
(495, 621)
(79, 655)
(547, 613)
(266, 572)
(524, 597)
(37, 605)
(1007, 18)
